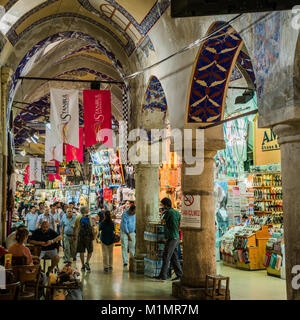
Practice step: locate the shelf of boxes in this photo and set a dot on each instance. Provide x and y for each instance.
(154, 235)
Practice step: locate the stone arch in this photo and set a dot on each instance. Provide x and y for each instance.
(211, 74)
(53, 38)
(154, 109)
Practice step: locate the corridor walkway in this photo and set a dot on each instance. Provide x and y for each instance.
(120, 284)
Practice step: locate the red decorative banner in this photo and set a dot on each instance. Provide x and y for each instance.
(26, 175)
(55, 176)
(97, 117)
(73, 153)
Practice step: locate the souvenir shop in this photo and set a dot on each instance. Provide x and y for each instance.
(248, 204)
(170, 180)
(112, 185)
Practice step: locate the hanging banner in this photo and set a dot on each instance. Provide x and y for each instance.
(64, 116)
(35, 169)
(191, 212)
(52, 152)
(97, 117)
(26, 175)
(73, 153)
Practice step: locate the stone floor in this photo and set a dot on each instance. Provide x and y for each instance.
(123, 285)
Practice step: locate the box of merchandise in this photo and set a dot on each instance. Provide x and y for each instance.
(155, 227)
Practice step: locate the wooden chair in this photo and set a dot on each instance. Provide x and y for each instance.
(18, 261)
(217, 292)
(11, 291)
(29, 276)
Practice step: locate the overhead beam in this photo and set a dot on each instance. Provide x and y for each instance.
(72, 80)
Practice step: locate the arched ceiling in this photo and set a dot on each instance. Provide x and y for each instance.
(127, 21)
(72, 39)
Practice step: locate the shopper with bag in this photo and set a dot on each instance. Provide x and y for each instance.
(84, 234)
(107, 237)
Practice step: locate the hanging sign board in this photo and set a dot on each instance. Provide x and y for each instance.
(51, 169)
(66, 171)
(191, 212)
(35, 169)
(266, 146)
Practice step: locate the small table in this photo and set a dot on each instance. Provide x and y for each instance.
(64, 286)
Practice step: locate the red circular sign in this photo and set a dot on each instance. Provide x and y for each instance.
(188, 200)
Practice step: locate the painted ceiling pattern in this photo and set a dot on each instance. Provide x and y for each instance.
(56, 37)
(212, 74)
(107, 15)
(155, 96)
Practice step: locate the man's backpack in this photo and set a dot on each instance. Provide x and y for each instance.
(85, 230)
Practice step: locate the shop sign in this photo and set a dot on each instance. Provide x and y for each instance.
(66, 171)
(266, 146)
(51, 169)
(191, 212)
(270, 141)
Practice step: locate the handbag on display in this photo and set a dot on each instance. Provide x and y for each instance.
(267, 260)
(278, 262)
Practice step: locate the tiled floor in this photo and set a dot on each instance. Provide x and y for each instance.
(121, 284)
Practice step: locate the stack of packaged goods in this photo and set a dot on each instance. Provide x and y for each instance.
(154, 235)
(274, 253)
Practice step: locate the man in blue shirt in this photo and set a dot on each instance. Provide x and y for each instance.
(127, 228)
(67, 232)
(31, 219)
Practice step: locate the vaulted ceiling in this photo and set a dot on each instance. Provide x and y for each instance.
(69, 39)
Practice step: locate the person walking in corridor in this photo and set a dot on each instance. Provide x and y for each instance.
(67, 233)
(127, 228)
(172, 222)
(84, 233)
(107, 229)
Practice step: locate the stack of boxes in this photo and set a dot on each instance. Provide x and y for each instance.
(154, 235)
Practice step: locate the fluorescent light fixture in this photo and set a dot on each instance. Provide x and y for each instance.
(36, 136)
(33, 140)
(28, 140)
(23, 153)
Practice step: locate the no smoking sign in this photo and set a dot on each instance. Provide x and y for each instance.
(188, 200)
(191, 211)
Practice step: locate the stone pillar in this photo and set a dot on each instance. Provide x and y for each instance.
(289, 140)
(199, 245)
(6, 74)
(147, 209)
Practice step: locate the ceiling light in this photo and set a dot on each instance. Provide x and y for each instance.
(36, 136)
(23, 153)
(28, 140)
(33, 140)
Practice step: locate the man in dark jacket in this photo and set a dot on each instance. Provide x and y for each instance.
(172, 222)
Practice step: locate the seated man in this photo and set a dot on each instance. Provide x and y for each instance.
(47, 238)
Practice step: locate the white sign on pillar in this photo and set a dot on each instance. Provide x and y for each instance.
(191, 212)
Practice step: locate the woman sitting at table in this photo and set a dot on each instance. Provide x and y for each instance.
(18, 249)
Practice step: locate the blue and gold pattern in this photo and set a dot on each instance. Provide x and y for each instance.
(155, 96)
(212, 74)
